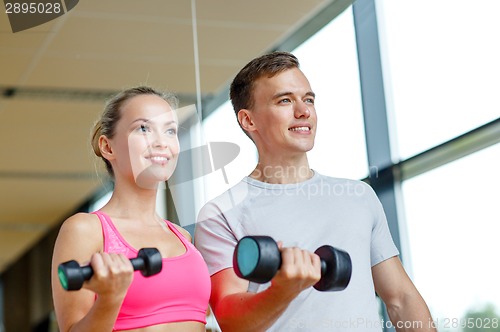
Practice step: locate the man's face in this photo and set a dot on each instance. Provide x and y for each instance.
(283, 114)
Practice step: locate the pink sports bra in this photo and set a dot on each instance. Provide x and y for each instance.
(180, 292)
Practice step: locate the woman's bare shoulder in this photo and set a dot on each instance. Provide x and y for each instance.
(82, 223)
(183, 232)
(81, 231)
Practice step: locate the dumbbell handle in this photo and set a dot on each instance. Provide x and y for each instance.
(322, 261)
(323, 266)
(138, 263)
(72, 275)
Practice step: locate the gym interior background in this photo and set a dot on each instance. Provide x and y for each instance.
(407, 100)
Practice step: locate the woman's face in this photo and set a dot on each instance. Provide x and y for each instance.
(145, 144)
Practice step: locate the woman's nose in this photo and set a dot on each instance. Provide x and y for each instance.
(160, 140)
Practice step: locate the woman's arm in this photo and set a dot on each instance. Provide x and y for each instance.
(80, 238)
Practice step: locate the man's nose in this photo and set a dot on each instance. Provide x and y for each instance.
(302, 110)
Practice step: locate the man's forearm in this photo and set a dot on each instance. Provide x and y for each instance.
(249, 312)
(412, 315)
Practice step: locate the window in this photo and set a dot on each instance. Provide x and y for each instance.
(441, 74)
(222, 126)
(442, 66)
(454, 228)
(329, 60)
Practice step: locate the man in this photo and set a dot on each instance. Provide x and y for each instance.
(285, 199)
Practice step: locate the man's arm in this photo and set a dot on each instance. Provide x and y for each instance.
(405, 306)
(238, 310)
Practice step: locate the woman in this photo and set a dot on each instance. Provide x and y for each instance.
(137, 139)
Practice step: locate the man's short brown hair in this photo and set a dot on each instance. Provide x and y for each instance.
(241, 90)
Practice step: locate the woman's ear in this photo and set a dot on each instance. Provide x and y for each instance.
(245, 120)
(105, 147)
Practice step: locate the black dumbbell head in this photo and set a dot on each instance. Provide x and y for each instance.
(256, 258)
(71, 276)
(336, 269)
(150, 259)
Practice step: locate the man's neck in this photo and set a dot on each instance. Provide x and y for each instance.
(282, 172)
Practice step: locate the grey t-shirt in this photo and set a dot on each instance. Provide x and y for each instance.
(343, 213)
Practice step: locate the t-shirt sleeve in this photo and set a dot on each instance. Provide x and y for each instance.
(382, 244)
(214, 238)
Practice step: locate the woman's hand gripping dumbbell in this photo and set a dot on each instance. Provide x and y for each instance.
(72, 275)
(258, 258)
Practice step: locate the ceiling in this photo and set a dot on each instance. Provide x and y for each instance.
(55, 77)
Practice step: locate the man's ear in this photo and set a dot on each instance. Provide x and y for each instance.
(245, 120)
(105, 147)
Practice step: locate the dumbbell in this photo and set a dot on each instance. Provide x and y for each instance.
(72, 275)
(257, 259)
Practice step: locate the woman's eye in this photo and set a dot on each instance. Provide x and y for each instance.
(172, 131)
(143, 129)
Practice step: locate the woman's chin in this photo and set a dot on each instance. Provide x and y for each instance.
(153, 178)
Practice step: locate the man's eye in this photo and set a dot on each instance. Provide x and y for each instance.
(284, 101)
(310, 100)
